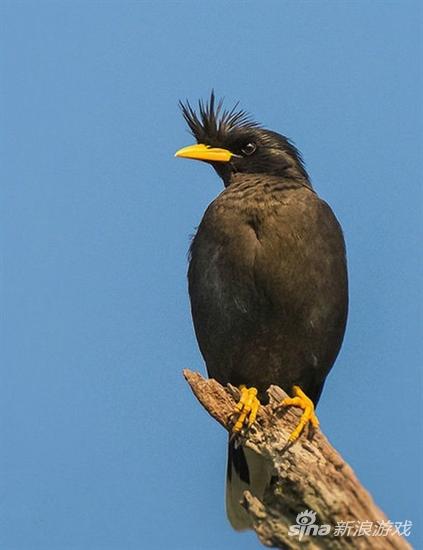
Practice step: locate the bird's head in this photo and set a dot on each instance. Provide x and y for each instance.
(233, 143)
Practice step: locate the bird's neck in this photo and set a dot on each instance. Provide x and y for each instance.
(278, 182)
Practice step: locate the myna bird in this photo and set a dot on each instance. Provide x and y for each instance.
(267, 279)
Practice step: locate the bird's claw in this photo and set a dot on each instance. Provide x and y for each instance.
(246, 410)
(301, 400)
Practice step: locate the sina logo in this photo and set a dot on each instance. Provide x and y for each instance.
(305, 526)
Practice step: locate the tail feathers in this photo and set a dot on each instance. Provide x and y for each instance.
(247, 471)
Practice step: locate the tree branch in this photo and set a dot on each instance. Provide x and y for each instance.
(309, 475)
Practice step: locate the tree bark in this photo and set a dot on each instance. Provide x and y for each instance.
(308, 475)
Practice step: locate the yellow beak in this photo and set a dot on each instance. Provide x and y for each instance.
(204, 152)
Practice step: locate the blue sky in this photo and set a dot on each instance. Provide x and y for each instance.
(103, 446)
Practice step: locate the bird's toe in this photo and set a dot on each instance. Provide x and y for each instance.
(301, 400)
(246, 410)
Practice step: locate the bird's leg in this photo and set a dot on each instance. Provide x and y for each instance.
(246, 409)
(309, 416)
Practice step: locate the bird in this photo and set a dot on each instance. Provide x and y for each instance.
(267, 280)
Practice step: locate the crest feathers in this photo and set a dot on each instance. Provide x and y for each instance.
(213, 121)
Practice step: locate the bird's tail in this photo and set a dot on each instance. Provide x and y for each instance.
(247, 471)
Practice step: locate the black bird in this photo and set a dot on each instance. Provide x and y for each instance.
(267, 278)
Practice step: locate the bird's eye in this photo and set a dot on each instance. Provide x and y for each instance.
(249, 148)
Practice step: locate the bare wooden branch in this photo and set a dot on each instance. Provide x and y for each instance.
(308, 475)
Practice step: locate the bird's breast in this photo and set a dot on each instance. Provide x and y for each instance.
(267, 282)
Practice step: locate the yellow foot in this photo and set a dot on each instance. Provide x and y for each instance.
(308, 416)
(246, 410)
